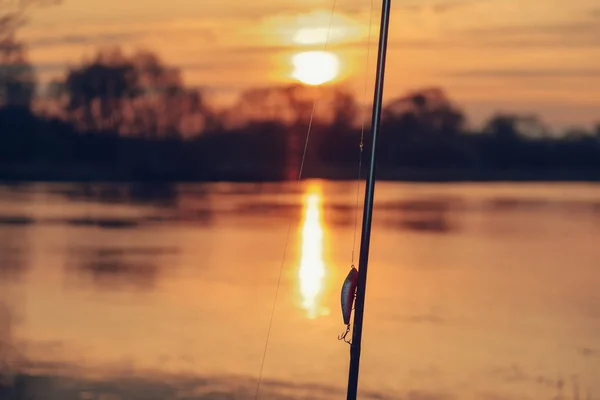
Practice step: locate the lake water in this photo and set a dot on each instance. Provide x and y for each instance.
(475, 291)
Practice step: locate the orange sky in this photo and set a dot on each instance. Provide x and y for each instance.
(538, 56)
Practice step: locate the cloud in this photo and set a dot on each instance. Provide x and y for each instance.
(106, 38)
(526, 73)
(442, 8)
(109, 34)
(418, 44)
(256, 49)
(560, 35)
(560, 29)
(502, 39)
(196, 66)
(439, 7)
(589, 352)
(567, 34)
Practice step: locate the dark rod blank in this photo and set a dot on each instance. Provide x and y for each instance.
(365, 239)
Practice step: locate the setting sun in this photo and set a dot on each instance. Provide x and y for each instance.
(315, 67)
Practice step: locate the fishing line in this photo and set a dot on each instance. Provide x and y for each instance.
(362, 131)
(349, 285)
(310, 123)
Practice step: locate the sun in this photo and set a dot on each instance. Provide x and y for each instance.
(315, 67)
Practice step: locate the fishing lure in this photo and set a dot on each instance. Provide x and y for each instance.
(347, 299)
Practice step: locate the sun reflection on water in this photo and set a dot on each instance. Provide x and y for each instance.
(312, 265)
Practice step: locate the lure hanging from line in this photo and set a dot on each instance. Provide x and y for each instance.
(347, 299)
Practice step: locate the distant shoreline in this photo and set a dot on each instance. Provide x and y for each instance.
(37, 173)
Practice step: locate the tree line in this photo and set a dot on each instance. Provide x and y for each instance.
(121, 116)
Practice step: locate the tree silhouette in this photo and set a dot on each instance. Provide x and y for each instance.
(17, 80)
(12, 13)
(293, 105)
(138, 117)
(345, 110)
(97, 92)
(509, 127)
(132, 95)
(427, 111)
(422, 128)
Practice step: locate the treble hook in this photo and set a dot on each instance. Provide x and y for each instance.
(343, 336)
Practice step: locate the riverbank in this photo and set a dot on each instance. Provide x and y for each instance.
(82, 173)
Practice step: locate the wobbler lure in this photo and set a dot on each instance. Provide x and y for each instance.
(347, 299)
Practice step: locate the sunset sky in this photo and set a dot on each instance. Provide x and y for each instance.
(528, 56)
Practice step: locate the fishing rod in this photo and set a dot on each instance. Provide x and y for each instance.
(365, 239)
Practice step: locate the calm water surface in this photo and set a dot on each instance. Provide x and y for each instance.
(475, 291)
